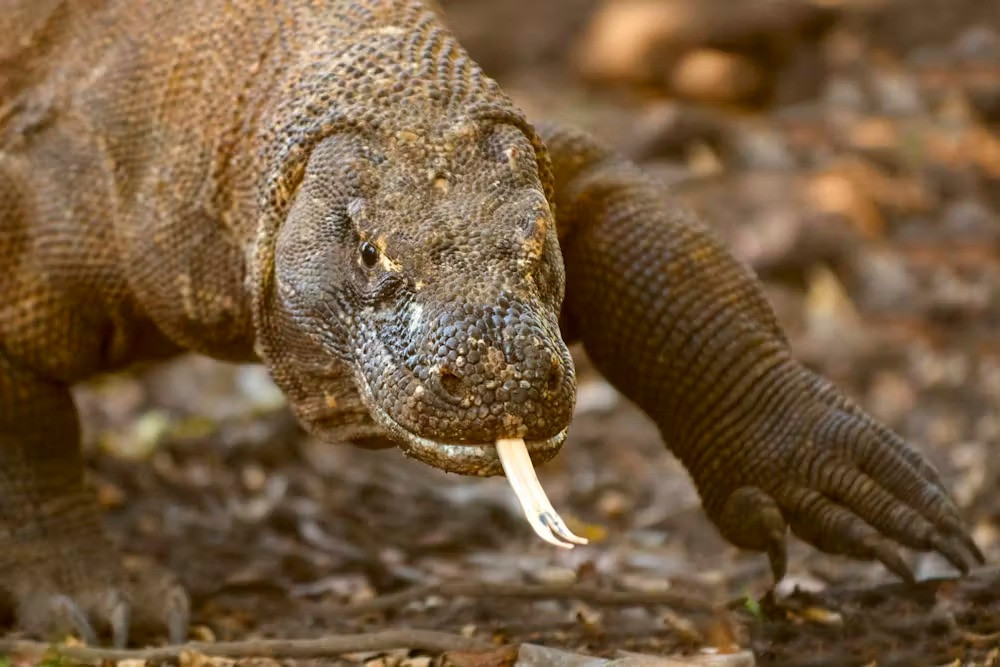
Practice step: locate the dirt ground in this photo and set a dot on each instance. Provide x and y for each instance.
(850, 151)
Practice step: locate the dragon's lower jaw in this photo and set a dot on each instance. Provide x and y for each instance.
(464, 458)
(473, 459)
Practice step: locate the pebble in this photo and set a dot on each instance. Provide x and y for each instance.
(979, 42)
(822, 616)
(739, 659)
(613, 503)
(640, 584)
(554, 576)
(717, 77)
(534, 655)
(596, 396)
(897, 94)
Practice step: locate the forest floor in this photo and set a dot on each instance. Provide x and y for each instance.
(850, 152)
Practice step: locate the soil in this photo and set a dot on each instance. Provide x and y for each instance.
(860, 175)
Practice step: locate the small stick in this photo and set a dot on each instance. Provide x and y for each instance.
(333, 645)
(482, 589)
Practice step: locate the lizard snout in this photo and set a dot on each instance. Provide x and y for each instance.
(470, 373)
(542, 376)
(494, 371)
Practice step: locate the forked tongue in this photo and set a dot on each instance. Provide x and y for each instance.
(537, 508)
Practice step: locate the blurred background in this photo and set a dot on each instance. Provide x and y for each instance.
(849, 150)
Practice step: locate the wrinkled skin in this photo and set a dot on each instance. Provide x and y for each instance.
(337, 189)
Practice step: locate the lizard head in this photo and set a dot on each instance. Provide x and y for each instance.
(423, 262)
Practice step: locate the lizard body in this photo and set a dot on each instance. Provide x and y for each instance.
(337, 189)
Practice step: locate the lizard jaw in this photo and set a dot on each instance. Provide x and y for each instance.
(470, 459)
(480, 460)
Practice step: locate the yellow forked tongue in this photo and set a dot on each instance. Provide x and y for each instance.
(537, 508)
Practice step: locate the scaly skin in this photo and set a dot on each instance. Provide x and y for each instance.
(336, 189)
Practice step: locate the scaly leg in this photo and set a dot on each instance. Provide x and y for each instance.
(57, 566)
(684, 330)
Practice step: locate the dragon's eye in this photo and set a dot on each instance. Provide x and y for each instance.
(369, 254)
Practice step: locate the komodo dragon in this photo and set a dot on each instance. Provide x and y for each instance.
(336, 189)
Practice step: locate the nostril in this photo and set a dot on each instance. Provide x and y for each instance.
(554, 378)
(451, 382)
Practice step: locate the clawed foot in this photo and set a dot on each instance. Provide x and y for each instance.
(93, 597)
(842, 482)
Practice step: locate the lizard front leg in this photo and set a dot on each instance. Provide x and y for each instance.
(57, 567)
(684, 330)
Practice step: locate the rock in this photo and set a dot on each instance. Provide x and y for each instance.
(896, 94)
(644, 584)
(838, 194)
(554, 576)
(534, 655)
(596, 396)
(140, 439)
(833, 323)
(704, 659)
(978, 43)
(614, 504)
(712, 76)
(762, 148)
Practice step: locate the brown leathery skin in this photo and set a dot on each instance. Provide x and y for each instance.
(337, 189)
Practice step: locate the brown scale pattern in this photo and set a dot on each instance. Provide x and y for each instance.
(337, 189)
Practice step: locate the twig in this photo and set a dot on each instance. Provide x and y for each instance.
(978, 639)
(589, 594)
(426, 640)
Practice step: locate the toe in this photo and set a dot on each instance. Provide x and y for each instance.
(835, 529)
(845, 485)
(750, 518)
(883, 487)
(67, 614)
(119, 615)
(178, 615)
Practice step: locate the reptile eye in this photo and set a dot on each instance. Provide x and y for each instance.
(369, 254)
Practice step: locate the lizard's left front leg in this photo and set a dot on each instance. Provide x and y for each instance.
(684, 330)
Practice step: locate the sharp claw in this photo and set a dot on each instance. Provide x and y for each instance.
(973, 548)
(66, 609)
(777, 551)
(178, 615)
(119, 619)
(889, 557)
(778, 556)
(949, 549)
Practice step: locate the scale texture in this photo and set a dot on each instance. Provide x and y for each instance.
(336, 189)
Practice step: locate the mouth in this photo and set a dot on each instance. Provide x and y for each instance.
(477, 459)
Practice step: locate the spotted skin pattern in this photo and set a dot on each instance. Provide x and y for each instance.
(336, 189)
